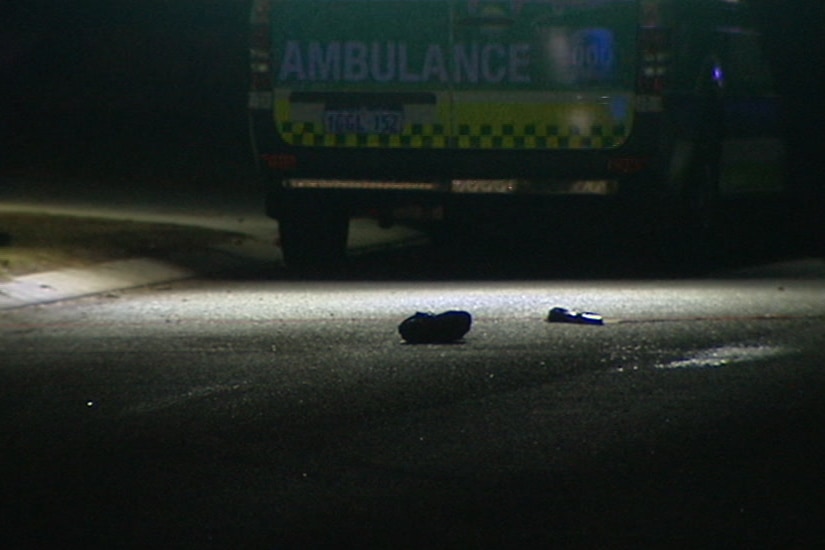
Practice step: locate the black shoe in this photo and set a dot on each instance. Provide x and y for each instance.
(426, 328)
(564, 315)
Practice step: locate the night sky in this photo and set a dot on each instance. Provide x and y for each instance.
(131, 89)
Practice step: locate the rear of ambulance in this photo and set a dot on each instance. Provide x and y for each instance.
(443, 92)
(375, 104)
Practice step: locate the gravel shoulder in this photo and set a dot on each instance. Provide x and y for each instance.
(33, 243)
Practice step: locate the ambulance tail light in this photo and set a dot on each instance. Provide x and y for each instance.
(260, 55)
(280, 162)
(626, 166)
(654, 60)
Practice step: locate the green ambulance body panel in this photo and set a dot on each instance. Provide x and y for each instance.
(455, 74)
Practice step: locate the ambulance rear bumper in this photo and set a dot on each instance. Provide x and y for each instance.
(467, 186)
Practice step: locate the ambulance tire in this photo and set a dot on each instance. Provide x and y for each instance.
(696, 242)
(313, 227)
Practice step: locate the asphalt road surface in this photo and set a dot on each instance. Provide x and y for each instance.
(255, 411)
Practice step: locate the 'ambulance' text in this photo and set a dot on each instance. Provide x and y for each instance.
(355, 61)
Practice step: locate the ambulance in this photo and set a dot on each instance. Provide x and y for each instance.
(376, 106)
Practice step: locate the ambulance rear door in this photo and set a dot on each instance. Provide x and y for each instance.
(362, 73)
(543, 74)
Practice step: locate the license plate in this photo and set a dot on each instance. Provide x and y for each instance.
(364, 121)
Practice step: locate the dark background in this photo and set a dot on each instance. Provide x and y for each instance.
(125, 89)
(130, 90)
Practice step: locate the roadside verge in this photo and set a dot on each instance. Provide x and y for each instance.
(55, 255)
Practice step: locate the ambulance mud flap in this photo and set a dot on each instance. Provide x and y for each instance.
(314, 228)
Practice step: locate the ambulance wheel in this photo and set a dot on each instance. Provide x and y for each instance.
(313, 231)
(697, 240)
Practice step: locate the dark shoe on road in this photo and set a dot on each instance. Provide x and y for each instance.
(564, 315)
(427, 328)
